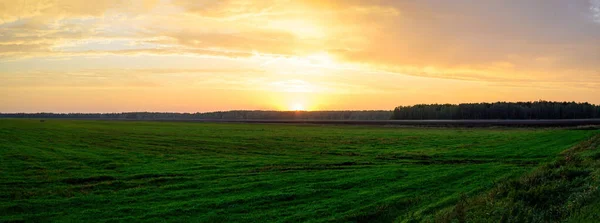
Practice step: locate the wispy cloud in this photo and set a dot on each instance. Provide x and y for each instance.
(595, 9)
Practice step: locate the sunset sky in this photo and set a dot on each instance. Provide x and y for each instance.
(206, 55)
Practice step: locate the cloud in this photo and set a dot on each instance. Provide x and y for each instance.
(595, 10)
(270, 42)
(123, 78)
(518, 41)
(13, 10)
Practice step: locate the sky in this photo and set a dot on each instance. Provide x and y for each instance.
(208, 55)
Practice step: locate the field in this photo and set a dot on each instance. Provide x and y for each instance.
(101, 171)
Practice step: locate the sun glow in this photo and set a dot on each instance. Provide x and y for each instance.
(297, 107)
(321, 59)
(313, 63)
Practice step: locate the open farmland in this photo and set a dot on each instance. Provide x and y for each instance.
(116, 171)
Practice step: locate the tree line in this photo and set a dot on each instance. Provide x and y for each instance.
(499, 110)
(221, 115)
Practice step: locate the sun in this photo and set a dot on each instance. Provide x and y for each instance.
(297, 107)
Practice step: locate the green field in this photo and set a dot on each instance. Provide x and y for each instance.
(152, 171)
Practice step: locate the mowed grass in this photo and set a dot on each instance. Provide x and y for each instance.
(151, 171)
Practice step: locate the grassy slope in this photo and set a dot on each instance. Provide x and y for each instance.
(566, 189)
(93, 170)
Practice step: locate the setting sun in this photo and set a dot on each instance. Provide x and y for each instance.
(297, 107)
(204, 55)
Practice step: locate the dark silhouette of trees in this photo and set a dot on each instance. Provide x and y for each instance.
(222, 115)
(499, 110)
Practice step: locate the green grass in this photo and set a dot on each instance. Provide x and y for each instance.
(149, 171)
(565, 190)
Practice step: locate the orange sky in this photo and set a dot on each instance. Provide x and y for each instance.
(206, 55)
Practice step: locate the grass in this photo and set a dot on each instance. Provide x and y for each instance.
(563, 190)
(152, 171)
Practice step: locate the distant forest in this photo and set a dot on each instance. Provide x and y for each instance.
(499, 110)
(224, 115)
(496, 110)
